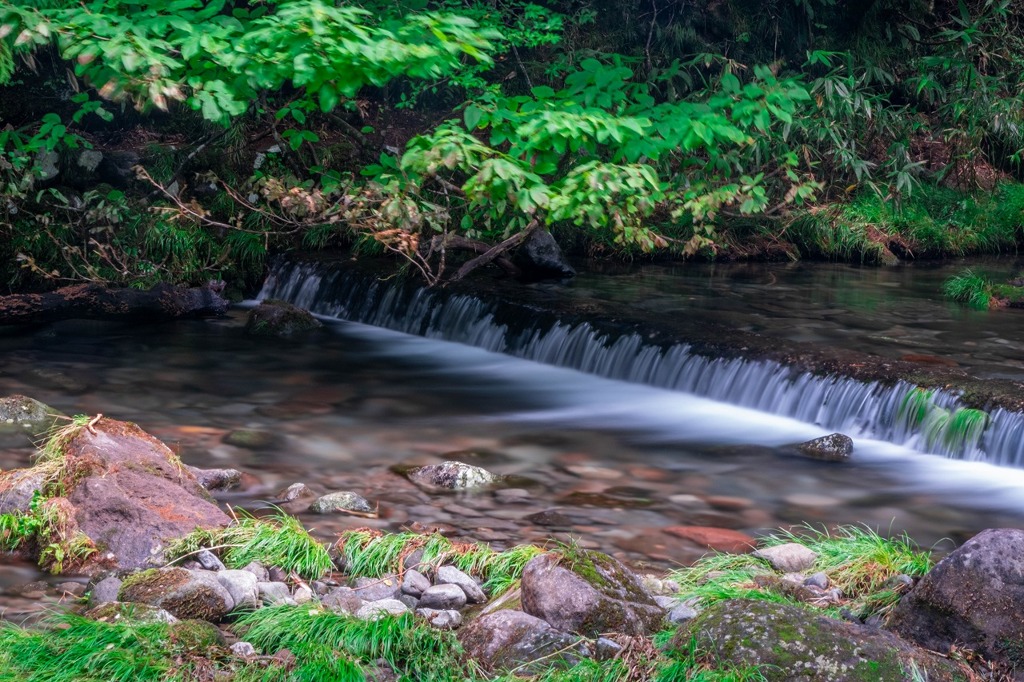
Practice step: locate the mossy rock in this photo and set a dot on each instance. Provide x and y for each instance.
(185, 594)
(119, 612)
(197, 635)
(25, 420)
(279, 319)
(788, 643)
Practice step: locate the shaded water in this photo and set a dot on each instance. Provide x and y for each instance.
(614, 463)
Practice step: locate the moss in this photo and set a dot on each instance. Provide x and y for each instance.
(196, 635)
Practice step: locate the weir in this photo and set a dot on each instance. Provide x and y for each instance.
(930, 421)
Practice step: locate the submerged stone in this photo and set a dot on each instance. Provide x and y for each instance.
(281, 320)
(341, 501)
(26, 418)
(835, 447)
(451, 475)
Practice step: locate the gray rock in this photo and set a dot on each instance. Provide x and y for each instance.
(48, 164)
(414, 583)
(410, 601)
(243, 649)
(973, 598)
(451, 476)
(116, 612)
(341, 501)
(342, 600)
(18, 487)
(303, 594)
(26, 418)
(539, 258)
(442, 620)
(443, 597)
(257, 569)
(682, 612)
(453, 576)
(185, 594)
(209, 560)
(787, 643)
(819, 580)
(373, 610)
(294, 492)
(374, 589)
(242, 586)
(834, 447)
(89, 160)
(506, 640)
(274, 593)
(104, 591)
(589, 593)
(791, 557)
(665, 602)
(216, 479)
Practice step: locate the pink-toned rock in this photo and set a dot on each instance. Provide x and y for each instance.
(718, 539)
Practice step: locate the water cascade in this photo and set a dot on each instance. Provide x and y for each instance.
(929, 421)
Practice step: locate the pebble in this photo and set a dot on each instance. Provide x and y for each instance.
(594, 472)
(209, 560)
(453, 576)
(512, 496)
(303, 594)
(443, 597)
(819, 580)
(791, 557)
(275, 593)
(447, 619)
(374, 610)
(243, 649)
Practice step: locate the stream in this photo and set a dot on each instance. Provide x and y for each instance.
(591, 456)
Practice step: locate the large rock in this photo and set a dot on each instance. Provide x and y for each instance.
(790, 644)
(23, 419)
(834, 447)
(130, 494)
(512, 639)
(450, 475)
(588, 593)
(539, 257)
(973, 598)
(183, 593)
(280, 319)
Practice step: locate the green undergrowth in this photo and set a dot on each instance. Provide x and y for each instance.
(980, 292)
(862, 564)
(373, 554)
(934, 222)
(275, 540)
(953, 430)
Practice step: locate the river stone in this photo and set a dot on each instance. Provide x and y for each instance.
(243, 649)
(341, 501)
(373, 589)
(973, 598)
(342, 600)
(18, 487)
(257, 569)
(303, 594)
(382, 608)
(104, 591)
(508, 639)
(274, 592)
(834, 447)
(450, 475)
(791, 557)
(253, 439)
(414, 583)
(442, 620)
(443, 597)
(453, 576)
(280, 319)
(115, 612)
(209, 560)
(242, 586)
(23, 415)
(294, 492)
(791, 644)
(185, 594)
(131, 495)
(216, 479)
(589, 593)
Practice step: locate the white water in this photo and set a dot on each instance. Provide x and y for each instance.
(868, 410)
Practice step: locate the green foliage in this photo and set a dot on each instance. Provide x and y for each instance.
(48, 530)
(969, 287)
(372, 554)
(691, 664)
(858, 561)
(279, 540)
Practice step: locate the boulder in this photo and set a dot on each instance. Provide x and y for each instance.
(451, 475)
(382, 608)
(834, 447)
(973, 598)
(24, 420)
(216, 479)
(341, 501)
(443, 597)
(791, 644)
(539, 257)
(130, 494)
(185, 594)
(105, 591)
(507, 640)
(241, 585)
(589, 593)
(18, 487)
(791, 557)
(281, 320)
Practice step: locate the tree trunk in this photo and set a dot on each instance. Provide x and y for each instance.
(97, 302)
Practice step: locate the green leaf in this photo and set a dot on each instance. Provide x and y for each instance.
(472, 116)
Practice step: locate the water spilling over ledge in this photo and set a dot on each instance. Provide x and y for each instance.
(934, 421)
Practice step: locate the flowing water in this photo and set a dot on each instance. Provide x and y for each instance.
(641, 441)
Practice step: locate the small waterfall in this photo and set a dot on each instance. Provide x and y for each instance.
(930, 421)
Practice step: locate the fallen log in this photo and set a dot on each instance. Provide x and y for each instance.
(97, 302)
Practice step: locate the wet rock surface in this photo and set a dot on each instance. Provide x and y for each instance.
(280, 320)
(835, 447)
(508, 640)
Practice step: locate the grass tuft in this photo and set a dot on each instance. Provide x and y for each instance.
(277, 540)
(970, 288)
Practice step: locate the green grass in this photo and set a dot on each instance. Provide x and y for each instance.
(373, 555)
(970, 288)
(691, 664)
(858, 561)
(956, 432)
(278, 540)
